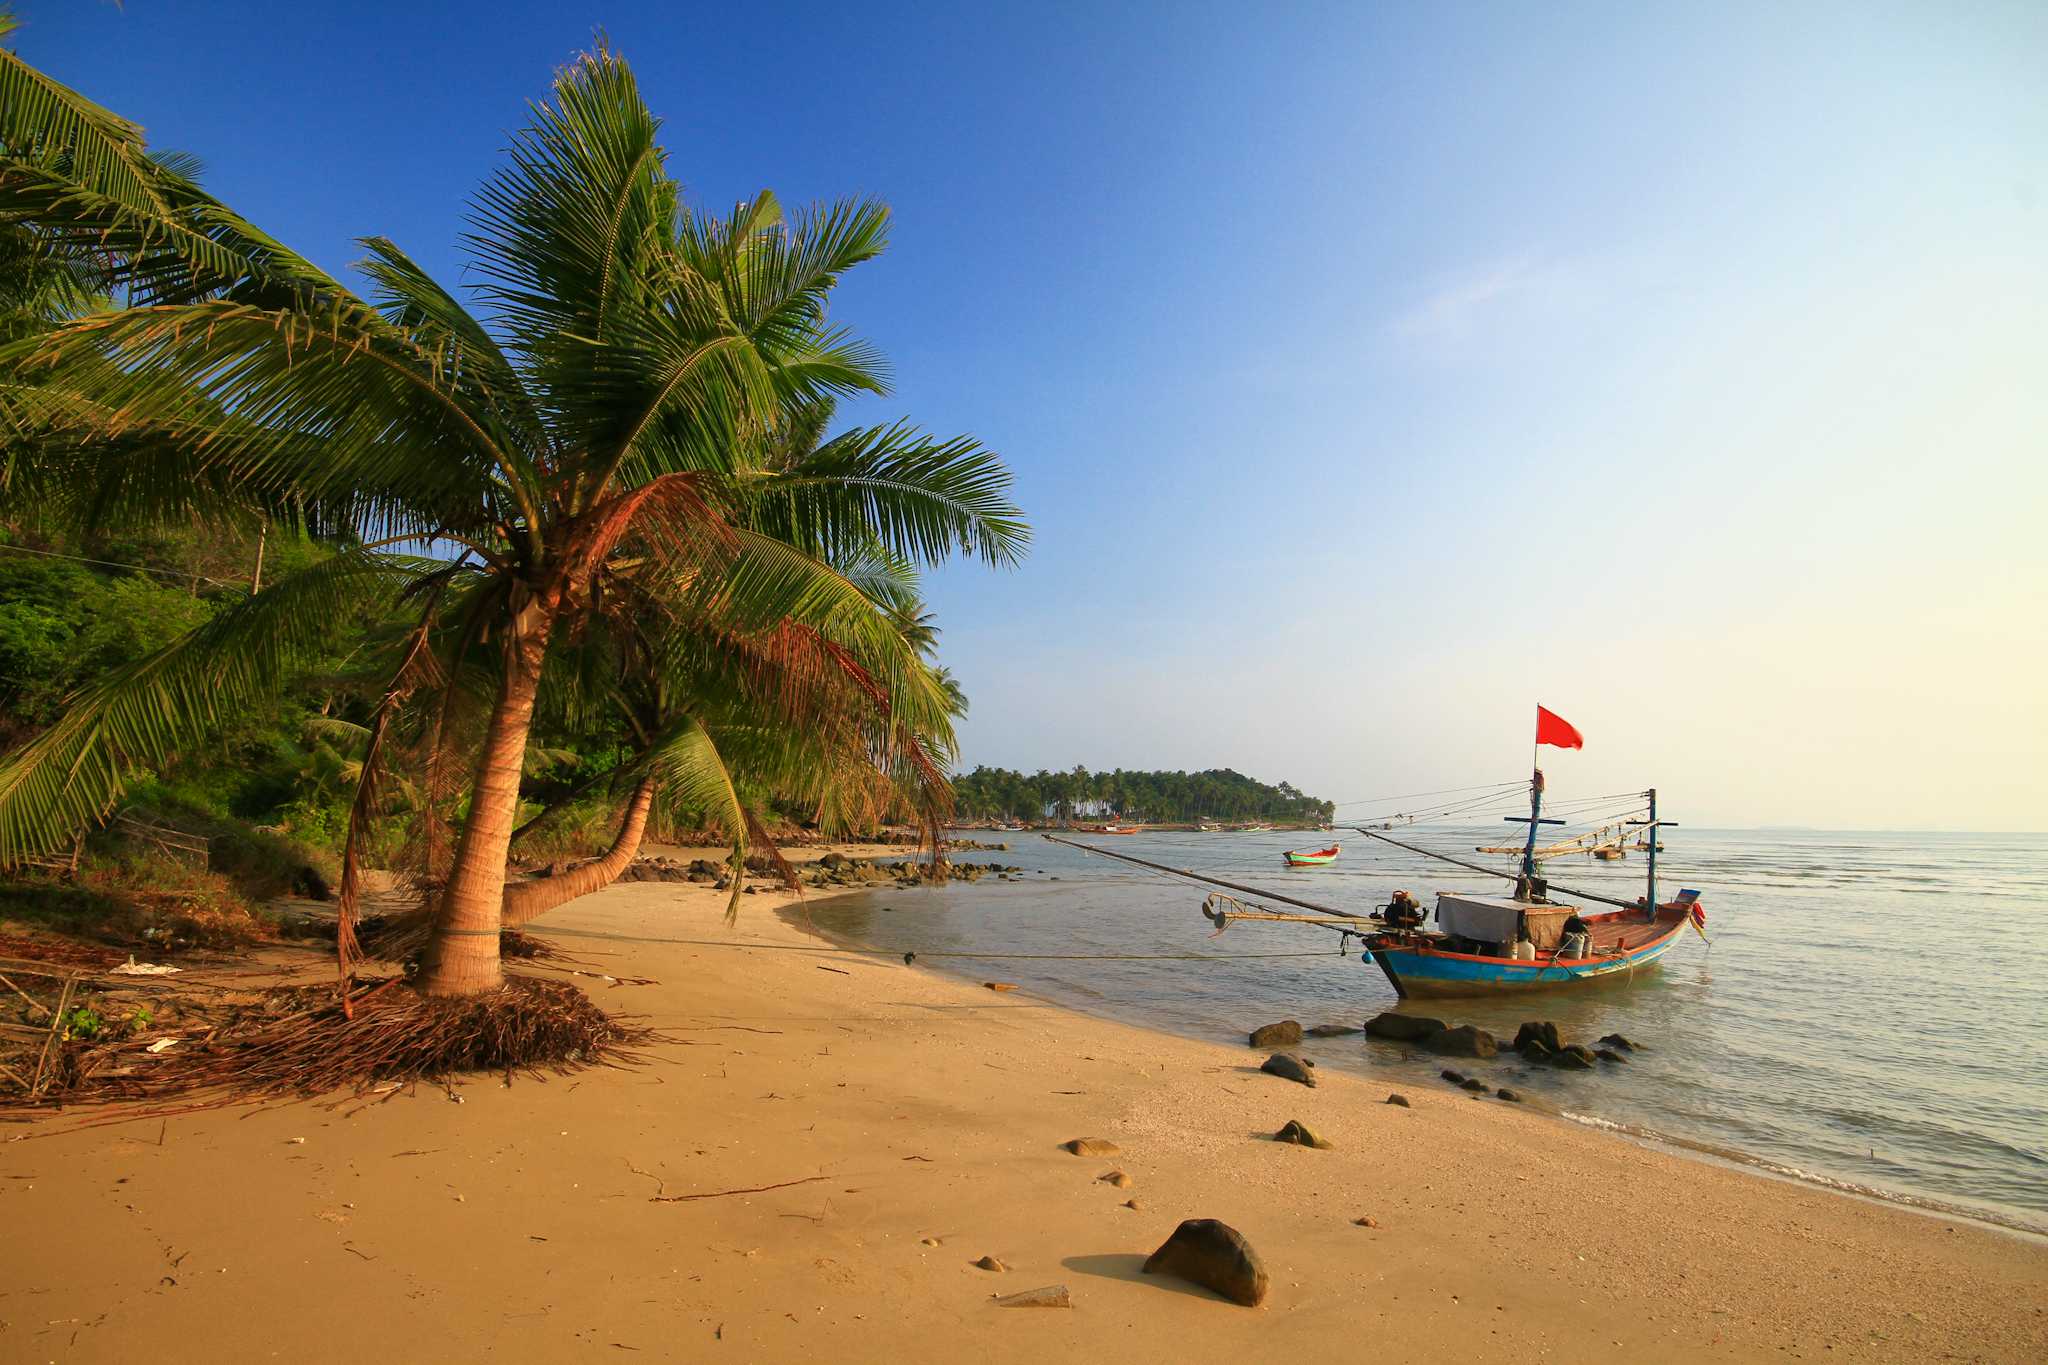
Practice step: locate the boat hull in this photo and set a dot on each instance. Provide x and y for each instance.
(1421, 973)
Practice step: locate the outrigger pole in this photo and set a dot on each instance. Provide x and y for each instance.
(1193, 875)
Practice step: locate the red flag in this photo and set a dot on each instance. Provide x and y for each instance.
(1552, 728)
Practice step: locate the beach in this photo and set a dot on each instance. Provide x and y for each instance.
(812, 1163)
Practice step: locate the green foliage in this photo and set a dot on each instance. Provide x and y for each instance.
(1217, 794)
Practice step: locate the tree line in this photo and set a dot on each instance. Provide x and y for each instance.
(1219, 794)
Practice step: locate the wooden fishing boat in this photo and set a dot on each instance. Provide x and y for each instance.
(1617, 945)
(1296, 859)
(1490, 946)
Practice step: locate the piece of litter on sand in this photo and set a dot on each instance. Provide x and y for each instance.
(1052, 1296)
(133, 968)
(162, 1045)
(1000, 985)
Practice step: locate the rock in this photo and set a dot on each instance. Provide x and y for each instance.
(1214, 1255)
(1608, 1055)
(1052, 1296)
(1366, 1222)
(1616, 1040)
(990, 1263)
(1474, 1084)
(1511, 1096)
(1401, 1100)
(1465, 1041)
(1131, 1204)
(833, 860)
(1402, 1028)
(1116, 1178)
(1333, 1030)
(1454, 1077)
(1301, 1135)
(929, 1241)
(1092, 1147)
(1289, 1067)
(1286, 1033)
(1542, 1030)
(1573, 1058)
(1536, 1050)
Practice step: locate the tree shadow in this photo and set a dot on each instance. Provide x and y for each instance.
(1131, 1267)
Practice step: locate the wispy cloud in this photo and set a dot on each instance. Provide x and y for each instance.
(1478, 298)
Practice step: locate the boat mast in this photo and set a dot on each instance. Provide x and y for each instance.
(1650, 897)
(1535, 818)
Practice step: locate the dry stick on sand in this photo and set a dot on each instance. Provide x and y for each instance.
(662, 1196)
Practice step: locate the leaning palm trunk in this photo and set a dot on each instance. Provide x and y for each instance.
(462, 958)
(529, 900)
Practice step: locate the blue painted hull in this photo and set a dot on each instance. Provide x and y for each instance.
(1423, 973)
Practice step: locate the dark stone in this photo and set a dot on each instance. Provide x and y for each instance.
(1402, 1028)
(1301, 1135)
(833, 860)
(1609, 1055)
(990, 1263)
(1286, 1033)
(1465, 1041)
(1454, 1077)
(1401, 1100)
(1511, 1096)
(1474, 1084)
(1214, 1255)
(1540, 1030)
(1573, 1058)
(1333, 1030)
(1617, 1041)
(1289, 1067)
(1536, 1050)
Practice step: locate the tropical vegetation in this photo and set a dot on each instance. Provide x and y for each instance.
(598, 495)
(1219, 794)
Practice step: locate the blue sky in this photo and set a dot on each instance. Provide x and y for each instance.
(1370, 373)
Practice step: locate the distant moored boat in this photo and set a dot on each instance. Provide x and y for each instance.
(1327, 855)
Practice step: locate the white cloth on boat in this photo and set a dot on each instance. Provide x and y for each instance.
(1497, 919)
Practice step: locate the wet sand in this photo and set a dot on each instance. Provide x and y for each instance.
(912, 1123)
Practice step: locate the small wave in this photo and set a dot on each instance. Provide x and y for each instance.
(2000, 1218)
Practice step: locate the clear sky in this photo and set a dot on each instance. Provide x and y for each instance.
(1371, 373)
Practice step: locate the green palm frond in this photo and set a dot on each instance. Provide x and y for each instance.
(692, 775)
(71, 775)
(893, 487)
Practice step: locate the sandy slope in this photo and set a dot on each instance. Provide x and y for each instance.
(923, 1116)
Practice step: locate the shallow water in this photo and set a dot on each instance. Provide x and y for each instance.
(1873, 1009)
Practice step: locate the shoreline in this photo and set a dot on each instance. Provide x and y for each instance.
(909, 1123)
(2020, 1224)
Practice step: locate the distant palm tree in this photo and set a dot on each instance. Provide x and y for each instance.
(615, 424)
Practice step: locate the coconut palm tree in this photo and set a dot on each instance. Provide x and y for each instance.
(612, 419)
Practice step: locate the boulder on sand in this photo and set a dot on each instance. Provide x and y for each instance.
(1214, 1255)
(1465, 1041)
(1474, 1084)
(1301, 1135)
(1399, 1099)
(1402, 1028)
(1091, 1147)
(1289, 1067)
(1286, 1033)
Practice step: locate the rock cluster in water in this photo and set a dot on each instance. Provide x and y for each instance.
(835, 870)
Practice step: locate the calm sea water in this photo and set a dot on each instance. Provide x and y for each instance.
(1873, 1010)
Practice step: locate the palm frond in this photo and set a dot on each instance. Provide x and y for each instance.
(71, 775)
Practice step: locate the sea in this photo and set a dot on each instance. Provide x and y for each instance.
(1867, 1011)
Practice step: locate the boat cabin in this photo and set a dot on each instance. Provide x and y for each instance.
(1492, 926)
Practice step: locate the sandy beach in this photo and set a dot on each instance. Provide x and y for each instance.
(911, 1124)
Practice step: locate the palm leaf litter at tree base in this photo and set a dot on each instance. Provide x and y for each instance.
(301, 1041)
